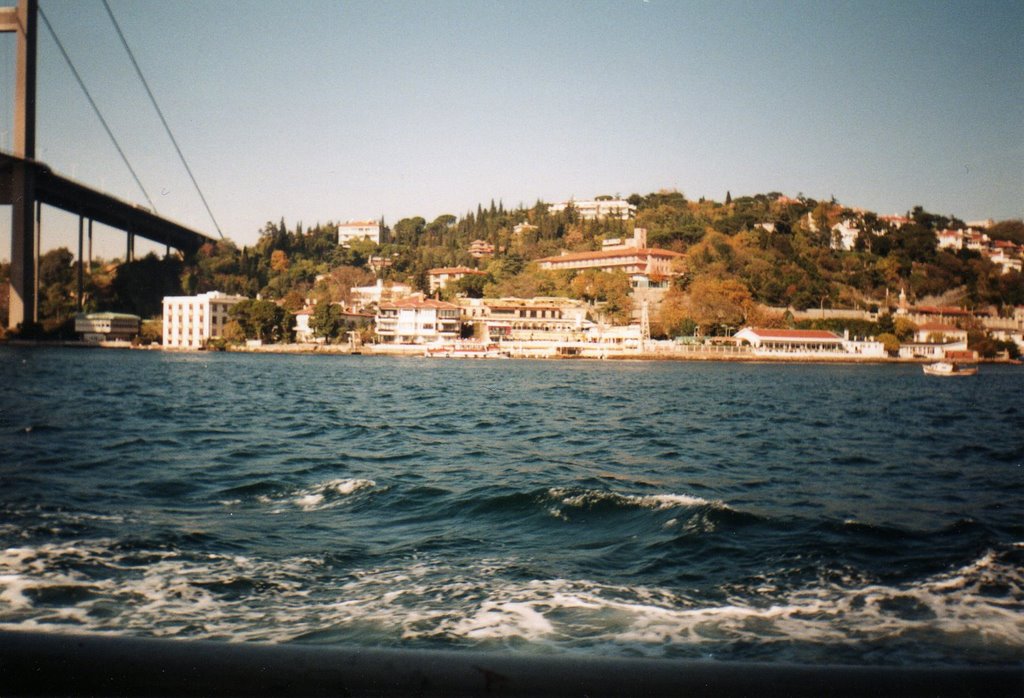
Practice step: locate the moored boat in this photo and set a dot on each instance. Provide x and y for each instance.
(947, 368)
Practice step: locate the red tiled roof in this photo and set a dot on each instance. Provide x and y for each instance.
(454, 270)
(418, 303)
(940, 310)
(937, 327)
(794, 334)
(607, 254)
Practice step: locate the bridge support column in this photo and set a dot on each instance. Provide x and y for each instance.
(22, 307)
(81, 264)
(22, 20)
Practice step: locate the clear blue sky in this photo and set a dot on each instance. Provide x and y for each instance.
(319, 111)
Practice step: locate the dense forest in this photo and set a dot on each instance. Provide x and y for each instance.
(766, 249)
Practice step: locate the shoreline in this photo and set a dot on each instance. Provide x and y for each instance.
(418, 351)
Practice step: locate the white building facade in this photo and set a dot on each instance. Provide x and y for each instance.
(417, 321)
(359, 230)
(191, 321)
(101, 327)
(592, 210)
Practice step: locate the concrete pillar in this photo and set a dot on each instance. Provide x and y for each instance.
(23, 21)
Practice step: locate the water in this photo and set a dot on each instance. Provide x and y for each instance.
(855, 514)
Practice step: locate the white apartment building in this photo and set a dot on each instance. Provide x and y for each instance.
(592, 210)
(417, 321)
(359, 230)
(190, 321)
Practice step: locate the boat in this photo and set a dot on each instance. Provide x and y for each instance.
(465, 350)
(946, 368)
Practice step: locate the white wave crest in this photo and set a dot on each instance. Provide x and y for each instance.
(246, 599)
(577, 499)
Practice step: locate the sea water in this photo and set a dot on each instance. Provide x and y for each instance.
(755, 512)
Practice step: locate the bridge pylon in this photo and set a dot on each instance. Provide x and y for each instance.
(22, 20)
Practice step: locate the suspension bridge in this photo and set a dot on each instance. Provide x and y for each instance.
(26, 185)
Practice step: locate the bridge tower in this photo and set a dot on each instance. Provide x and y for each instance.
(24, 253)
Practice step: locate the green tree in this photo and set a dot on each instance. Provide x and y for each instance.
(261, 319)
(718, 303)
(327, 321)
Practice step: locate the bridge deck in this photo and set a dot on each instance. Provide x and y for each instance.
(54, 190)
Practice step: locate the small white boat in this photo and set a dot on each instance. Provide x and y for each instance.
(946, 368)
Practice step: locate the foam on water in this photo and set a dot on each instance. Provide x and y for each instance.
(239, 598)
(324, 495)
(576, 498)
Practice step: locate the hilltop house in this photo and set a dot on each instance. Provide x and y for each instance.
(440, 278)
(360, 230)
(598, 208)
(645, 266)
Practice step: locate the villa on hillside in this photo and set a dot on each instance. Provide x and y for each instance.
(645, 266)
(599, 208)
(440, 278)
(360, 230)
(363, 296)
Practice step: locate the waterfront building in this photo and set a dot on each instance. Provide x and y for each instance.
(440, 278)
(808, 343)
(189, 322)
(303, 332)
(934, 351)
(551, 319)
(598, 208)
(938, 332)
(105, 327)
(360, 230)
(417, 321)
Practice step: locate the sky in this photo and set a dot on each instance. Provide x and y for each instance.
(329, 111)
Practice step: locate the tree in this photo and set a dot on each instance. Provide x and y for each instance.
(262, 320)
(279, 261)
(608, 287)
(714, 303)
(327, 321)
(471, 285)
(903, 328)
(891, 343)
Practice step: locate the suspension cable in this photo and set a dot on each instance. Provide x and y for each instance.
(95, 108)
(160, 113)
